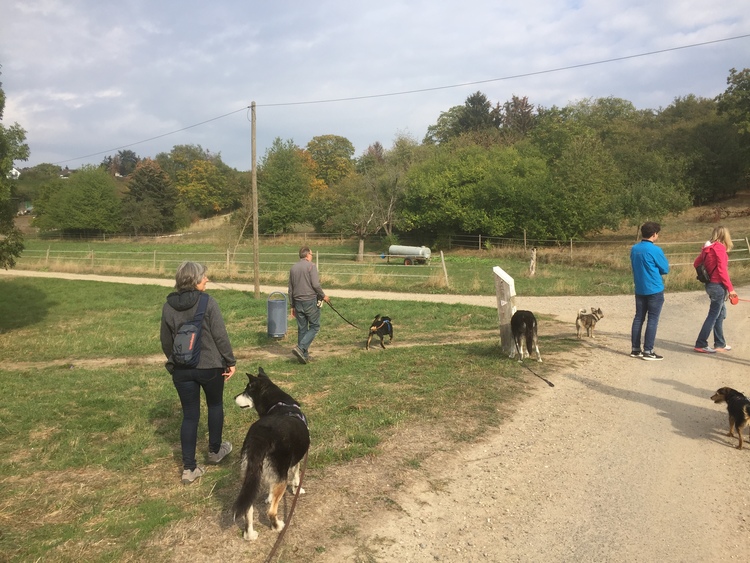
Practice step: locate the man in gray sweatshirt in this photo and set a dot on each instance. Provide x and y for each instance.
(305, 293)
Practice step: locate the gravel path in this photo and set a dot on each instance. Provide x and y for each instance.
(623, 460)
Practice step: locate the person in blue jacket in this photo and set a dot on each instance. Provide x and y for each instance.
(649, 265)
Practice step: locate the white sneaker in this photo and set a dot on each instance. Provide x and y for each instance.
(724, 348)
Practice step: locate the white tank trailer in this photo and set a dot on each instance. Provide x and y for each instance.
(410, 254)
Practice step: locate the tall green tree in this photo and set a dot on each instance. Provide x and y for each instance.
(464, 188)
(707, 146)
(86, 203)
(285, 182)
(735, 101)
(152, 203)
(12, 148)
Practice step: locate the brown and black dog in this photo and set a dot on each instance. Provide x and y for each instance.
(738, 407)
(588, 321)
(381, 327)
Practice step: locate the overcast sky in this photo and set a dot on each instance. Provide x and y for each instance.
(85, 78)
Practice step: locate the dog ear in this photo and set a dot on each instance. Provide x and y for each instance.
(249, 377)
(262, 373)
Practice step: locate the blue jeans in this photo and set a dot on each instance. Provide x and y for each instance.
(646, 305)
(188, 383)
(717, 312)
(308, 323)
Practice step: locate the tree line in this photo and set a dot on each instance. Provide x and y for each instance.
(482, 168)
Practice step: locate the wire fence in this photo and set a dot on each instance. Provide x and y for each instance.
(341, 268)
(273, 266)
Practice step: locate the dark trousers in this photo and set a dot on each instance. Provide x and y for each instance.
(189, 383)
(646, 305)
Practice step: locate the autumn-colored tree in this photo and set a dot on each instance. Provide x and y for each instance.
(333, 157)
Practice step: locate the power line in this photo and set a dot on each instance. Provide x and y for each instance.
(153, 138)
(512, 77)
(422, 90)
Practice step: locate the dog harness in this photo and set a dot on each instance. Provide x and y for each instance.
(296, 414)
(384, 323)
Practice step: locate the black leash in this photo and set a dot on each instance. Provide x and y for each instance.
(547, 381)
(291, 511)
(342, 316)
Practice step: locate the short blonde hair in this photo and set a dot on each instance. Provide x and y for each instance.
(189, 274)
(721, 234)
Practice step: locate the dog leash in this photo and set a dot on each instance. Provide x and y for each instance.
(291, 511)
(547, 381)
(342, 316)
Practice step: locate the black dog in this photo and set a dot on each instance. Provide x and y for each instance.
(274, 445)
(523, 326)
(381, 326)
(738, 407)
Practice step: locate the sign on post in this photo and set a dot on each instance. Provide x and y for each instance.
(505, 290)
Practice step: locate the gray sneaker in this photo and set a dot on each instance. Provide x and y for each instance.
(300, 355)
(188, 475)
(225, 448)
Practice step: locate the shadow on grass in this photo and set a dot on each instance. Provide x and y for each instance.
(22, 305)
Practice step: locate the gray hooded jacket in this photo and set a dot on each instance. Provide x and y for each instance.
(216, 350)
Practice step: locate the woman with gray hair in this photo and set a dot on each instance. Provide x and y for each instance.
(215, 366)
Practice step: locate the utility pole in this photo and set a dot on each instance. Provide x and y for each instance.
(256, 252)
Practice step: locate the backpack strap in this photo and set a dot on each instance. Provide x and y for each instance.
(200, 312)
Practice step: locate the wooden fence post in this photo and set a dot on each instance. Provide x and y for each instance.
(505, 290)
(532, 265)
(445, 270)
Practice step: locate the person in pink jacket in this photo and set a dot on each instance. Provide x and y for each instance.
(714, 256)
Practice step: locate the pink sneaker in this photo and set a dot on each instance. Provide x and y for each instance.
(724, 348)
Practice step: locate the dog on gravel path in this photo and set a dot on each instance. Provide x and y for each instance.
(274, 446)
(588, 321)
(523, 326)
(738, 408)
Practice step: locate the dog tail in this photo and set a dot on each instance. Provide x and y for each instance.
(256, 453)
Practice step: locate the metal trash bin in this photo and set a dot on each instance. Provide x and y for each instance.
(277, 315)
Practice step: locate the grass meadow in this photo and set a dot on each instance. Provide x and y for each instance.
(89, 425)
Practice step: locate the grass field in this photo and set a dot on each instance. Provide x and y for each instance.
(89, 433)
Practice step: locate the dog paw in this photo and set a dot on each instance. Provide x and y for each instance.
(278, 525)
(250, 535)
(301, 491)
